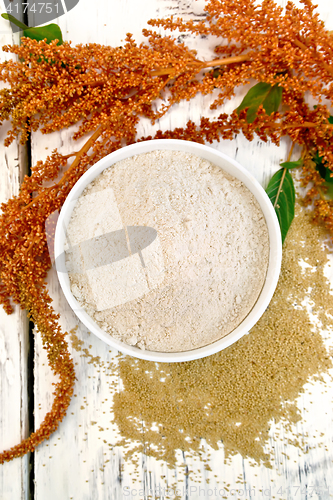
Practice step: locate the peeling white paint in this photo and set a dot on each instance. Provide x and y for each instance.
(3, 354)
(10, 371)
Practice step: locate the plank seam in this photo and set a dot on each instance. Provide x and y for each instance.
(31, 357)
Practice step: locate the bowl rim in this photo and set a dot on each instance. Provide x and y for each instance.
(229, 165)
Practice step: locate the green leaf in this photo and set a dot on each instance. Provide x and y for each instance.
(281, 192)
(15, 21)
(292, 164)
(273, 100)
(255, 96)
(329, 191)
(50, 32)
(262, 93)
(324, 172)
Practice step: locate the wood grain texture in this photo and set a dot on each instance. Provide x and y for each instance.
(14, 345)
(79, 461)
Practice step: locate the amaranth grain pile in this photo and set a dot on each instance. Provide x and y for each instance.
(234, 395)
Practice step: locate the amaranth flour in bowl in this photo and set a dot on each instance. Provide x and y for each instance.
(166, 251)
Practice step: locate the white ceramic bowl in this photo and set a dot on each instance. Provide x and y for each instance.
(227, 164)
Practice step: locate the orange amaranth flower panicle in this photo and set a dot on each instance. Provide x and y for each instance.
(105, 91)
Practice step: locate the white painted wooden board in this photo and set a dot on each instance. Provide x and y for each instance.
(75, 462)
(14, 347)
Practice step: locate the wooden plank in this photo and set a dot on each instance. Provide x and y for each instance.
(77, 462)
(14, 336)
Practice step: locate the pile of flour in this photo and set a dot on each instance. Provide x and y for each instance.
(202, 274)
